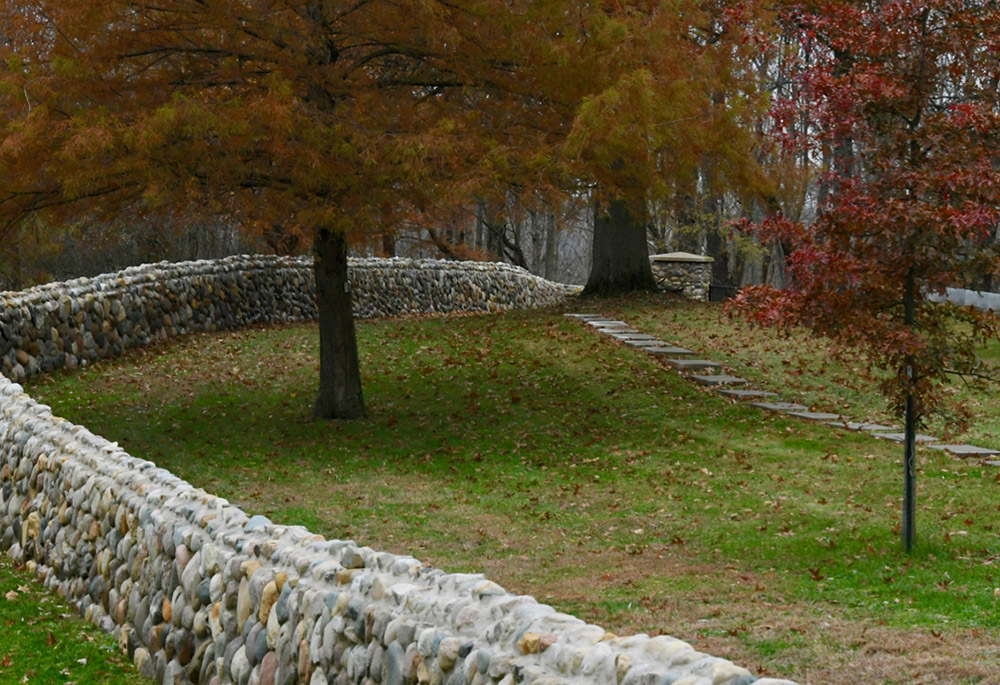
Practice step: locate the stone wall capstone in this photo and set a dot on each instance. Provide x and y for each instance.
(197, 590)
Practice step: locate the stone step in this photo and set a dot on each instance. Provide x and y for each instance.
(901, 437)
(583, 317)
(779, 406)
(668, 350)
(862, 426)
(746, 394)
(607, 323)
(813, 415)
(692, 364)
(965, 450)
(645, 343)
(719, 379)
(630, 336)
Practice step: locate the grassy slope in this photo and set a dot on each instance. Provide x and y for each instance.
(579, 470)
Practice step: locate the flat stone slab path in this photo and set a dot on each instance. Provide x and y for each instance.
(634, 336)
(722, 382)
(745, 394)
(668, 350)
(900, 437)
(813, 415)
(861, 426)
(645, 343)
(965, 450)
(693, 364)
(779, 406)
(718, 379)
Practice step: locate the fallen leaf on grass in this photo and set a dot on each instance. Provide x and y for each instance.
(11, 596)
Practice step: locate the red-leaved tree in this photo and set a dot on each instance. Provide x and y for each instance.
(904, 120)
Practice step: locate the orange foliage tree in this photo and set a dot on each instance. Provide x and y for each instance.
(673, 94)
(333, 120)
(623, 102)
(325, 118)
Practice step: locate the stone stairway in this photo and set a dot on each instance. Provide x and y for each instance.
(685, 361)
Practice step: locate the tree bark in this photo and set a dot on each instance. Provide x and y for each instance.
(389, 244)
(551, 247)
(340, 395)
(537, 237)
(620, 262)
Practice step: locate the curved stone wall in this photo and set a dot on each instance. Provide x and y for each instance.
(196, 590)
(79, 321)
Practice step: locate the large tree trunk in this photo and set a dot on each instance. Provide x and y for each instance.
(339, 394)
(551, 247)
(537, 240)
(711, 208)
(620, 262)
(389, 244)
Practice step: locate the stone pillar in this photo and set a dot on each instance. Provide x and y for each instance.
(688, 274)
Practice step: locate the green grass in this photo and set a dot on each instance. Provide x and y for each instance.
(803, 370)
(44, 641)
(582, 471)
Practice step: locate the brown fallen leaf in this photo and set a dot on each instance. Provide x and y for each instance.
(11, 595)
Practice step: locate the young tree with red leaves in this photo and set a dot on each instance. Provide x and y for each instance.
(903, 109)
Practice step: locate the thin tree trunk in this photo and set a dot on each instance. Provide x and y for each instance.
(776, 267)
(340, 395)
(620, 261)
(909, 527)
(480, 226)
(495, 228)
(688, 234)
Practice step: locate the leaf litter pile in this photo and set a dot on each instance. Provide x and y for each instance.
(584, 472)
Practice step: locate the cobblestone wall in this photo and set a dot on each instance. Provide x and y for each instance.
(197, 590)
(690, 275)
(77, 322)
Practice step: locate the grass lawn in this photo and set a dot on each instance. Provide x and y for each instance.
(584, 472)
(44, 641)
